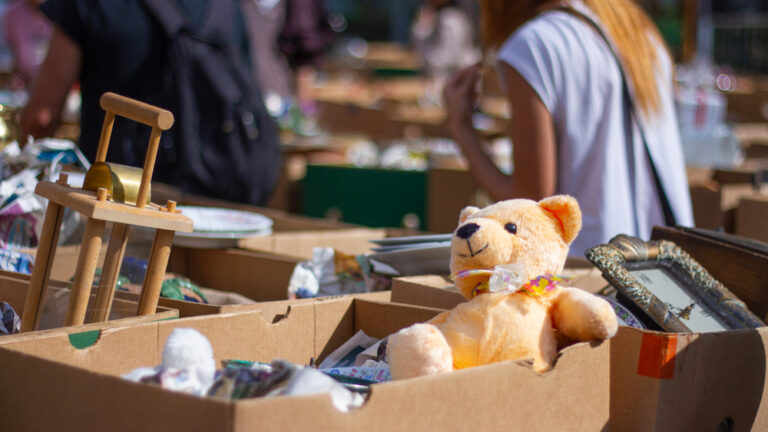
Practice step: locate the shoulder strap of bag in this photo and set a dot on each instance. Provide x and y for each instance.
(669, 216)
(215, 31)
(170, 18)
(173, 21)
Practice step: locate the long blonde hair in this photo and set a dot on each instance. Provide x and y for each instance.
(633, 33)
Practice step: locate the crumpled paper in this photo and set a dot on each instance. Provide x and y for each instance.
(21, 210)
(329, 272)
(10, 322)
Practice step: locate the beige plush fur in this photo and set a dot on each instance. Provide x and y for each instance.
(493, 327)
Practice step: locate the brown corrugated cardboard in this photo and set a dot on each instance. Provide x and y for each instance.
(427, 290)
(752, 218)
(82, 392)
(714, 205)
(283, 220)
(216, 306)
(13, 289)
(257, 275)
(749, 105)
(662, 381)
(65, 260)
(301, 243)
(439, 292)
(261, 274)
(689, 382)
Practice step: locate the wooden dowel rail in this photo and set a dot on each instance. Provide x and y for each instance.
(137, 111)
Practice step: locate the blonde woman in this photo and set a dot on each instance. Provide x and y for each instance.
(590, 86)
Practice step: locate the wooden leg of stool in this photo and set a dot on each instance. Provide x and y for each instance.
(153, 281)
(41, 272)
(110, 271)
(86, 269)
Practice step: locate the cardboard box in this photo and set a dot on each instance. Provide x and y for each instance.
(65, 260)
(256, 275)
(385, 197)
(293, 240)
(283, 220)
(714, 205)
(427, 290)
(689, 381)
(697, 381)
(13, 290)
(749, 105)
(219, 306)
(261, 274)
(352, 116)
(353, 241)
(662, 381)
(83, 391)
(752, 218)
(439, 292)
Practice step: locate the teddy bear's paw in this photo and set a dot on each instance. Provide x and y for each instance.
(420, 349)
(606, 324)
(541, 365)
(583, 316)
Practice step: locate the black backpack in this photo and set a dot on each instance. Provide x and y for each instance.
(225, 144)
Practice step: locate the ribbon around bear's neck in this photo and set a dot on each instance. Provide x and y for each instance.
(511, 278)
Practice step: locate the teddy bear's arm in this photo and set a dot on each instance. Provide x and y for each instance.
(583, 316)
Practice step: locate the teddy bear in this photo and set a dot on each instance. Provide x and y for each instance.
(505, 259)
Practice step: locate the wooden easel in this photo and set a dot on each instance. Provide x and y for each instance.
(98, 210)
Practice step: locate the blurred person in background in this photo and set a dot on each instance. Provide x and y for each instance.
(572, 128)
(444, 36)
(265, 20)
(27, 33)
(120, 46)
(304, 40)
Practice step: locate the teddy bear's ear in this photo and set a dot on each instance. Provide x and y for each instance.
(466, 213)
(566, 210)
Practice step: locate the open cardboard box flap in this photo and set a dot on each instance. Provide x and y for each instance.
(82, 391)
(13, 290)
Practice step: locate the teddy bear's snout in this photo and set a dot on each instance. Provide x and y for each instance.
(467, 230)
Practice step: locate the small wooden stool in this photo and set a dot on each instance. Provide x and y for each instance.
(98, 210)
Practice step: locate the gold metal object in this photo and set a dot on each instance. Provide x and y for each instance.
(121, 181)
(634, 249)
(9, 130)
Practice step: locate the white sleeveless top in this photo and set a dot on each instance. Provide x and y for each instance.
(576, 76)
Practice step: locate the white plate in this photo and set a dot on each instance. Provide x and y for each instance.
(222, 220)
(220, 227)
(623, 314)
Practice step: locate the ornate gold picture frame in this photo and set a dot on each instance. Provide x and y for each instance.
(668, 289)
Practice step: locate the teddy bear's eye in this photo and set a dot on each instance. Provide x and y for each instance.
(512, 228)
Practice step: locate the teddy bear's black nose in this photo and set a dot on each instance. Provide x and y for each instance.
(467, 230)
